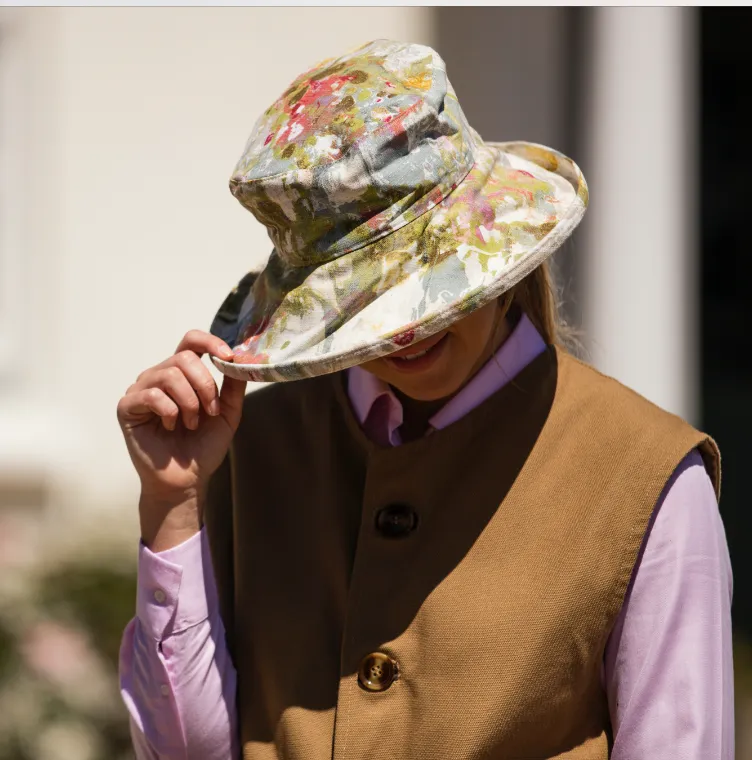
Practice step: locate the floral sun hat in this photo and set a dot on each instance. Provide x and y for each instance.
(390, 217)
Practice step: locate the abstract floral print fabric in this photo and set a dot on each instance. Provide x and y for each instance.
(390, 217)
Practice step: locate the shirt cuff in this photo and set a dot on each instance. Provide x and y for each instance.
(176, 587)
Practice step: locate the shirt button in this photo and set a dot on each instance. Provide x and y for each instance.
(159, 596)
(377, 672)
(396, 520)
(165, 689)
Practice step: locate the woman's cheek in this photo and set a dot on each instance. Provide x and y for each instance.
(456, 349)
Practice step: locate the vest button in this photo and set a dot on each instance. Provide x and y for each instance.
(377, 672)
(396, 520)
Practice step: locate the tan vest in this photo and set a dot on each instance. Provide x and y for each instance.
(447, 598)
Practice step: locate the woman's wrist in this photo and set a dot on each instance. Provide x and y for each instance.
(167, 521)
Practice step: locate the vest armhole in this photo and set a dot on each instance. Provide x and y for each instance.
(708, 448)
(711, 457)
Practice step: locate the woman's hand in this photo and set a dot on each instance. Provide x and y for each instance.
(178, 428)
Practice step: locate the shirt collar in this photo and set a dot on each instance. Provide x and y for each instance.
(523, 345)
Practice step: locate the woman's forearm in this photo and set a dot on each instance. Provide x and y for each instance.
(176, 675)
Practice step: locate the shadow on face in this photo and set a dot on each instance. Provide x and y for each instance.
(452, 356)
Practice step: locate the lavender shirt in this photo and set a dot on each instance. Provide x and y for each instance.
(667, 668)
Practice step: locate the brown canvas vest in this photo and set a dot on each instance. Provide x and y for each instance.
(473, 576)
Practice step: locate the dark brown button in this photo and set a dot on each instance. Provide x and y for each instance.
(396, 520)
(377, 672)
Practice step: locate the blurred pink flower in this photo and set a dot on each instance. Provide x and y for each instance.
(18, 545)
(58, 653)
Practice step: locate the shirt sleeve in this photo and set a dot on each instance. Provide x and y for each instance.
(177, 679)
(668, 662)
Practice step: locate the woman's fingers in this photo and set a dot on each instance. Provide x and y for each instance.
(187, 382)
(195, 343)
(200, 379)
(173, 381)
(204, 343)
(150, 401)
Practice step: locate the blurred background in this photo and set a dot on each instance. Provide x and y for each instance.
(119, 128)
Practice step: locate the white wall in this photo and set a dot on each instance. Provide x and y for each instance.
(129, 236)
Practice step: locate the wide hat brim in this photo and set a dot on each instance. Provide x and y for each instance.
(516, 206)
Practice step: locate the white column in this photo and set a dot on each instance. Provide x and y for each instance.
(639, 294)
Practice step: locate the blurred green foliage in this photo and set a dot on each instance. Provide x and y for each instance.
(100, 599)
(79, 602)
(7, 653)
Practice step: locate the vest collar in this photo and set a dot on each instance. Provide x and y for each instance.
(537, 377)
(364, 389)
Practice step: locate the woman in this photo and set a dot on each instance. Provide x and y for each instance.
(452, 539)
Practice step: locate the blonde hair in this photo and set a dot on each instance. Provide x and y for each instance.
(538, 295)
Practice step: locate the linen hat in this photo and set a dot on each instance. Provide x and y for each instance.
(390, 217)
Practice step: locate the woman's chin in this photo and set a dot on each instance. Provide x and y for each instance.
(427, 378)
(430, 386)
(424, 394)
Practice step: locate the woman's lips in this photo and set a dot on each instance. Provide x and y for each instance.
(422, 345)
(435, 349)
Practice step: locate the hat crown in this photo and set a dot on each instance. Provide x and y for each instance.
(355, 148)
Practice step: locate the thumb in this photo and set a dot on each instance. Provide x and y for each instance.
(231, 396)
